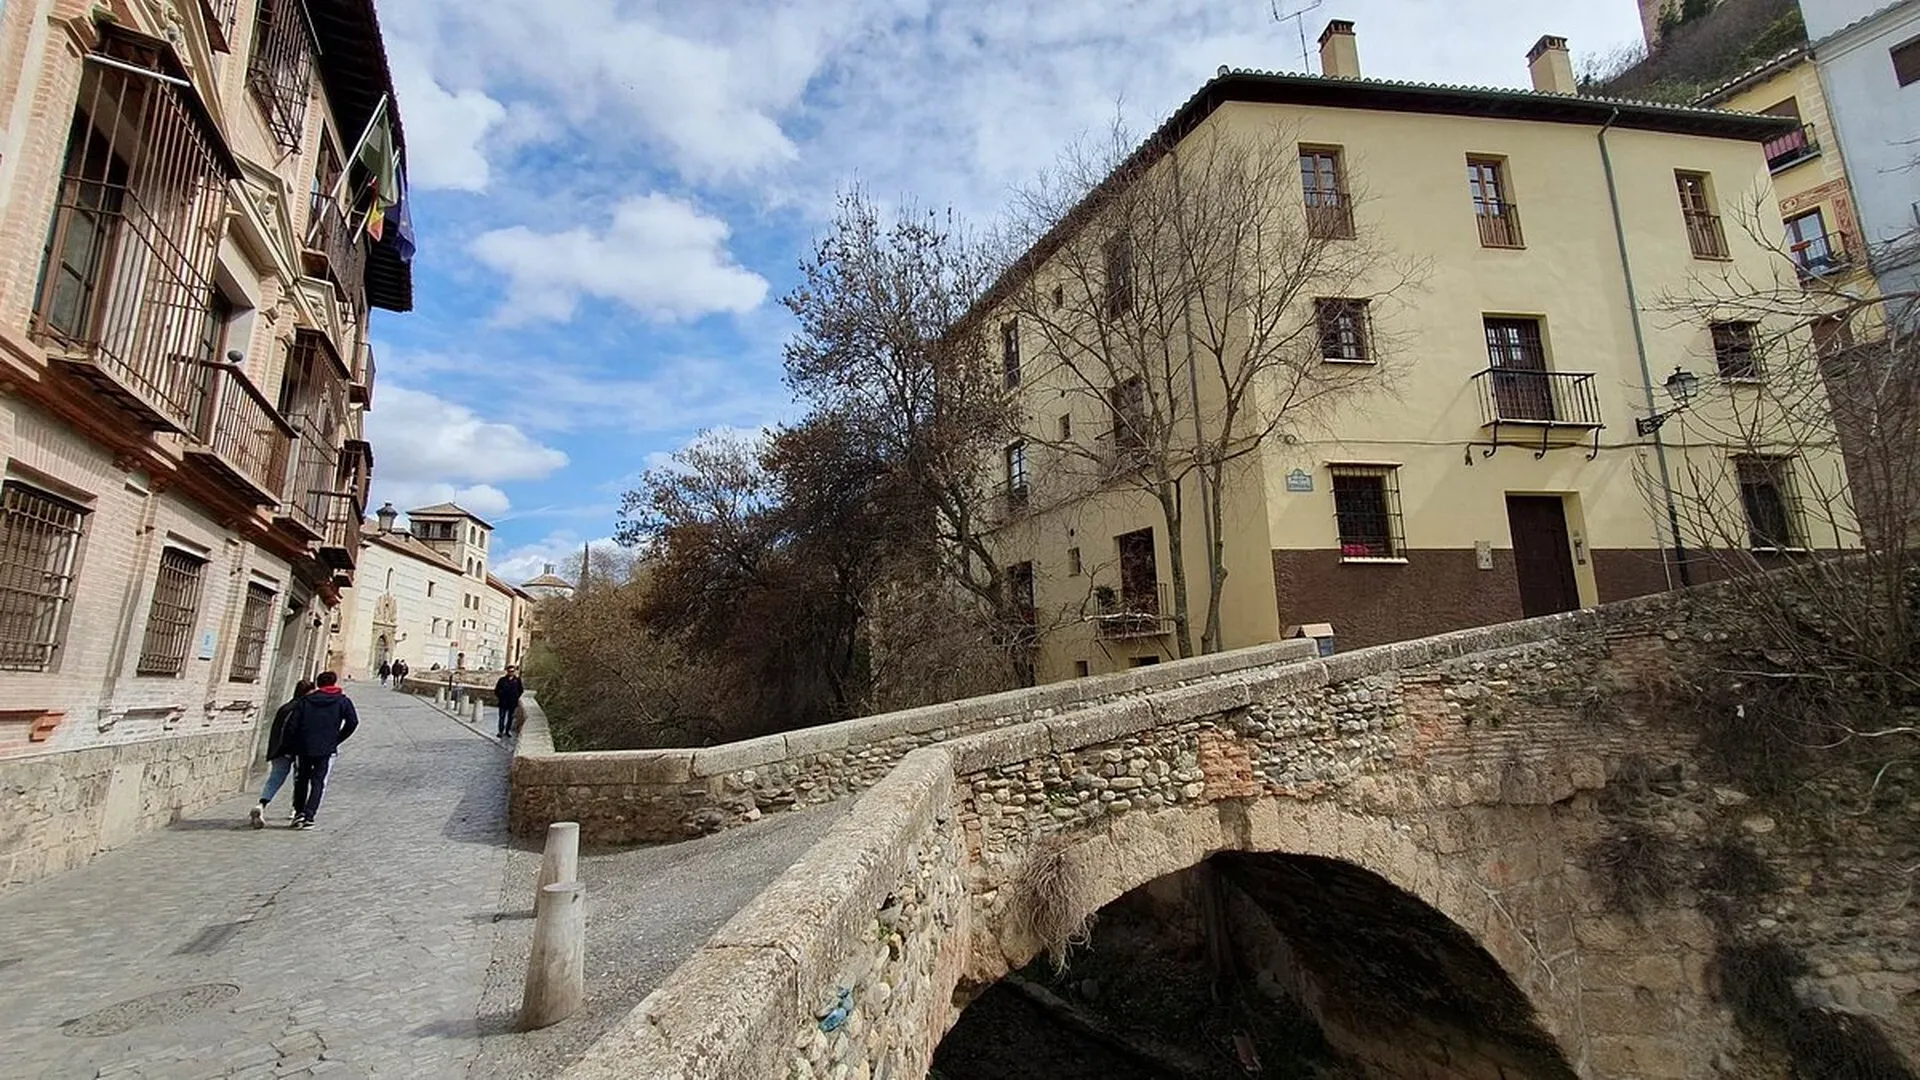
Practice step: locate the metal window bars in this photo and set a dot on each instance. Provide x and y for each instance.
(218, 17)
(280, 71)
(127, 272)
(1366, 507)
(170, 617)
(250, 645)
(1133, 612)
(39, 542)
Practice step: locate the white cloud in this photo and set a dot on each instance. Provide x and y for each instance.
(428, 449)
(660, 255)
(445, 129)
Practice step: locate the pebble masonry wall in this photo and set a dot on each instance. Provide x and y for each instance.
(1464, 769)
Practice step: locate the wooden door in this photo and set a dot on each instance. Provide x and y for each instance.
(1542, 554)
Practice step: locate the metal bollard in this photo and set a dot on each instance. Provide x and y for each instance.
(561, 860)
(557, 967)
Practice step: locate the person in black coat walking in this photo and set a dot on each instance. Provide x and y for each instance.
(507, 691)
(279, 758)
(323, 720)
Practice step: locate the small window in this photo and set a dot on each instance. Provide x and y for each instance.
(1066, 428)
(1704, 234)
(1142, 661)
(1081, 670)
(1119, 276)
(39, 542)
(1343, 331)
(1492, 207)
(1016, 475)
(171, 615)
(1010, 351)
(1073, 562)
(1766, 494)
(429, 588)
(250, 645)
(1366, 504)
(1020, 591)
(1906, 62)
(1735, 350)
(1812, 250)
(1323, 187)
(1059, 296)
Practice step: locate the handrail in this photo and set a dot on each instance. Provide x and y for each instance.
(246, 384)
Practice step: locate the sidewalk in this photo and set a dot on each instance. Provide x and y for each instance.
(208, 949)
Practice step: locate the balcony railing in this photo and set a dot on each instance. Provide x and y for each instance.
(1792, 148)
(1705, 236)
(1330, 218)
(243, 439)
(334, 250)
(218, 15)
(1819, 256)
(316, 468)
(340, 548)
(1139, 613)
(1012, 501)
(360, 387)
(1558, 398)
(128, 268)
(1499, 225)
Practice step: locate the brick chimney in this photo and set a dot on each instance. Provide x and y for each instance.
(1552, 66)
(1339, 51)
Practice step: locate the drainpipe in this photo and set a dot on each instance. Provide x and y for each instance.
(1640, 347)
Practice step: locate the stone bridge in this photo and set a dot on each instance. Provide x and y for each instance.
(1414, 840)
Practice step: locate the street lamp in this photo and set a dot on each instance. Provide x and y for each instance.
(1681, 386)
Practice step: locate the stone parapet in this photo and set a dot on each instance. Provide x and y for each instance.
(629, 796)
(58, 810)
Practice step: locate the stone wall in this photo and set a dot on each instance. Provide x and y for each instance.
(58, 810)
(629, 796)
(844, 967)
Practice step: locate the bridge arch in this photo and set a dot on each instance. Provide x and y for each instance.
(1388, 870)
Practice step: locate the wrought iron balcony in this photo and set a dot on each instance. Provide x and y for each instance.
(218, 17)
(316, 467)
(1330, 217)
(335, 250)
(1012, 501)
(1791, 149)
(1547, 400)
(1819, 256)
(243, 441)
(360, 387)
(1705, 236)
(1499, 225)
(1131, 614)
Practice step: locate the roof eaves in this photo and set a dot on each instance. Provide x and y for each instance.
(1749, 77)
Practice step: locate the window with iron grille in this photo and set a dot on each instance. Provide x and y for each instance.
(1735, 350)
(39, 543)
(280, 71)
(1119, 276)
(176, 603)
(1010, 351)
(250, 647)
(1016, 475)
(1767, 496)
(1366, 504)
(1343, 330)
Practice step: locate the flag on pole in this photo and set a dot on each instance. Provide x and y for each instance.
(403, 223)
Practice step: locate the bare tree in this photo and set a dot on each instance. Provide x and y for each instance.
(1799, 477)
(1185, 292)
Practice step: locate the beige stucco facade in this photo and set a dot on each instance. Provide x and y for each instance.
(1424, 419)
(181, 393)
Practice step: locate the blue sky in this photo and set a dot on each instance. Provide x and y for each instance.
(611, 196)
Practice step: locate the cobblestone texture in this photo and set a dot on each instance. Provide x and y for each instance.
(359, 948)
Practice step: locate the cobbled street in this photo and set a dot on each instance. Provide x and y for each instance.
(388, 942)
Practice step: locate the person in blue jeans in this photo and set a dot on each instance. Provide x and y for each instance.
(279, 758)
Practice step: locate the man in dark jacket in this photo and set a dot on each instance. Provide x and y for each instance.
(323, 720)
(279, 758)
(506, 694)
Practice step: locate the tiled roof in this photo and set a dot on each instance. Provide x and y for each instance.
(447, 509)
(1751, 75)
(547, 581)
(405, 544)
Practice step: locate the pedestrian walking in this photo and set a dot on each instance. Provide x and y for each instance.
(400, 671)
(506, 694)
(386, 670)
(279, 758)
(323, 720)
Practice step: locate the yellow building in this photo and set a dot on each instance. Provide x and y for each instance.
(1503, 453)
(1823, 234)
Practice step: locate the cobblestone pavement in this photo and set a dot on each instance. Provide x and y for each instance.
(356, 949)
(389, 942)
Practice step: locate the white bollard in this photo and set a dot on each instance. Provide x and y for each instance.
(557, 967)
(561, 861)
